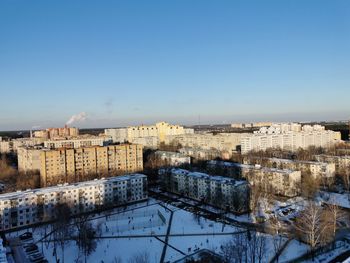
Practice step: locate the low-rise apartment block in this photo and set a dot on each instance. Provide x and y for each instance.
(25, 208)
(11, 146)
(226, 193)
(315, 169)
(341, 162)
(223, 142)
(282, 182)
(173, 158)
(204, 154)
(73, 165)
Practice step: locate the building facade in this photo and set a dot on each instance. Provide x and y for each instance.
(78, 142)
(29, 158)
(315, 169)
(340, 162)
(281, 182)
(173, 158)
(73, 165)
(223, 142)
(52, 133)
(29, 207)
(289, 137)
(160, 131)
(223, 192)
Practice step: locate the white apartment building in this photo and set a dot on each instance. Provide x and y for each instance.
(226, 193)
(224, 142)
(173, 158)
(251, 125)
(289, 137)
(282, 182)
(78, 142)
(25, 208)
(316, 169)
(160, 130)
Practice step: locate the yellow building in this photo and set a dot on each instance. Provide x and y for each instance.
(74, 165)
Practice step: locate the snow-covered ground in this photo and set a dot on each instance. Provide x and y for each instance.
(293, 250)
(142, 227)
(342, 200)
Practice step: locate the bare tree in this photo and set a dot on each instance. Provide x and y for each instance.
(245, 247)
(87, 235)
(117, 260)
(141, 257)
(277, 237)
(311, 227)
(333, 215)
(62, 228)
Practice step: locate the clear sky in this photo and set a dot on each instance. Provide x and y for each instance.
(133, 62)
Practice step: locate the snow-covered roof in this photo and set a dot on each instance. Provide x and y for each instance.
(249, 166)
(199, 175)
(58, 188)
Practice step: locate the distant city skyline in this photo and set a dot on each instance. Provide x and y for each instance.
(130, 63)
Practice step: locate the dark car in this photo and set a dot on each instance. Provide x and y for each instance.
(26, 235)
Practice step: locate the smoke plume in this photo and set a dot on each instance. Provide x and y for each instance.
(77, 117)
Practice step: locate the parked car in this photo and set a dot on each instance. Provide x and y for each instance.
(26, 235)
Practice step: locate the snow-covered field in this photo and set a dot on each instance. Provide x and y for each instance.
(142, 228)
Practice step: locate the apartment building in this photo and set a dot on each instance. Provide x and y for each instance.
(6, 146)
(289, 137)
(13, 145)
(226, 193)
(78, 142)
(251, 125)
(340, 162)
(160, 131)
(204, 154)
(173, 158)
(223, 142)
(25, 208)
(315, 169)
(282, 182)
(29, 158)
(52, 133)
(73, 165)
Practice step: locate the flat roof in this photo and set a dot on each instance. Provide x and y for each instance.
(57, 188)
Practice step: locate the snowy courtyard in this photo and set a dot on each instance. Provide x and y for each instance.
(143, 228)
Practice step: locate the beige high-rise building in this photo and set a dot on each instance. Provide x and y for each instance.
(73, 165)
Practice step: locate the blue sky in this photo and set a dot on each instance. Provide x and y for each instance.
(132, 62)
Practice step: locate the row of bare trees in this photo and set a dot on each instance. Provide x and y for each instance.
(15, 180)
(245, 247)
(317, 225)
